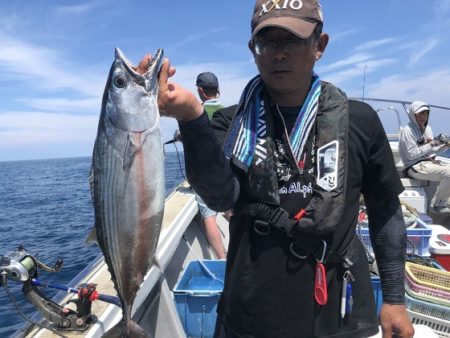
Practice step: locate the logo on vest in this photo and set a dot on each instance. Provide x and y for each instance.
(327, 166)
(280, 4)
(297, 188)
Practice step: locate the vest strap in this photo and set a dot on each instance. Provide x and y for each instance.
(265, 217)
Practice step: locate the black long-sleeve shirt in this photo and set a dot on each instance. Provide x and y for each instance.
(213, 178)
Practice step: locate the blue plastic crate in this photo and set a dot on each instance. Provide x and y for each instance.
(196, 296)
(418, 239)
(377, 293)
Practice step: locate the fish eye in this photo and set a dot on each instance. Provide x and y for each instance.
(120, 81)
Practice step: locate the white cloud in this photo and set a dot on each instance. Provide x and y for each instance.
(343, 72)
(45, 69)
(66, 94)
(432, 87)
(54, 132)
(79, 9)
(76, 106)
(41, 128)
(37, 135)
(350, 61)
(406, 45)
(421, 50)
(343, 34)
(195, 37)
(33, 135)
(375, 44)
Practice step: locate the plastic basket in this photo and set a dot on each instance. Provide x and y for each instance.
(426, 293)
(377, 293)
(427, 308)
(430, 277)
(439, 326)
(418, 239)
(196, 295)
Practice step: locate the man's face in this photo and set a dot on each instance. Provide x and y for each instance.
(286, 62)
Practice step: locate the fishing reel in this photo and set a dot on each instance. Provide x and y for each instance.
(442, 138)
(18, 265)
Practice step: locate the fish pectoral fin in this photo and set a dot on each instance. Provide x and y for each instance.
(92, 237)
(135, 141)
(133, 145)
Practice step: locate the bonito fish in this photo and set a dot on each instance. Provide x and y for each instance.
(127, 181)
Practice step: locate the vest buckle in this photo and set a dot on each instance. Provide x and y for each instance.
(261, 227)
(295, 252)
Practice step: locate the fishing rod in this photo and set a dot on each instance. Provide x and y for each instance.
(170, 142)
(176, 138)
(82, 291)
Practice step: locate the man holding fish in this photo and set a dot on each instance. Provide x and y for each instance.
(297, 156)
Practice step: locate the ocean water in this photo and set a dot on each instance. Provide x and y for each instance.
(45, 205)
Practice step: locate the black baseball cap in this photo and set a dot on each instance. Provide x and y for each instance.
(207, 79)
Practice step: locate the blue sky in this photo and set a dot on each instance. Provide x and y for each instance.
(55, 57)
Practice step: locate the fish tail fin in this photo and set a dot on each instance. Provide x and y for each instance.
(135, 330)
(130, 329)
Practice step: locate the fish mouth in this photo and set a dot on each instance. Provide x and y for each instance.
(153, 66)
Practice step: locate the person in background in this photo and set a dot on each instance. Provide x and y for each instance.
(418, 151)
(295, 267)
(208, 91)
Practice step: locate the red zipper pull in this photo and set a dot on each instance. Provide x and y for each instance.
(320, 284)
(298, 216)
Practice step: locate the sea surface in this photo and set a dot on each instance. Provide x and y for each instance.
(45, 206)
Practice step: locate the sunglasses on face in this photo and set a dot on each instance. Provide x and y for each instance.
(263, 48)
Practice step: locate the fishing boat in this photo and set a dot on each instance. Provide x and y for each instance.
(182, 240)
(158, 307)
